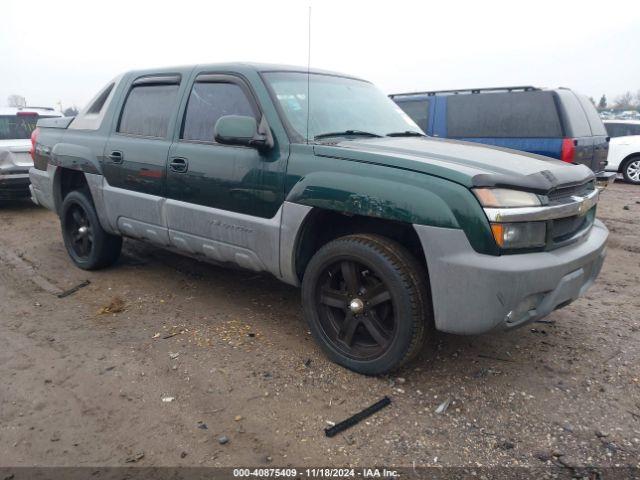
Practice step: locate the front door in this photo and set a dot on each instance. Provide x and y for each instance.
(223, 201)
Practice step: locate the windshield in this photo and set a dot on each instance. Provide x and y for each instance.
(14, 127)
(338, 104)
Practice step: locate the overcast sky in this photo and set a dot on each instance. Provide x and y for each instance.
(66, 51)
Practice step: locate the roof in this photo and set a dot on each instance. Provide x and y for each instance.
(39, 110)
(240, 66)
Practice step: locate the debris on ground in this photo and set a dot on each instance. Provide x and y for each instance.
(134, 458)
(202, 425)
(116, 305)
(171, 335)
(168, 399)
(443, 406)
(506, 445)
(358, 417)
(173, 356)
(183, 454)
(238, 418)
(223, 439)
(73, 290)
(490, 357)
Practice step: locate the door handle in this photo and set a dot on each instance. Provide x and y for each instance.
(179, 165)
(116, 156)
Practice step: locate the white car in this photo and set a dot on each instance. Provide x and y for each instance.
(624, 148)
(16, 126)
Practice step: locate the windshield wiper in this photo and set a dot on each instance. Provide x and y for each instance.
(344, 133)
(406, 133)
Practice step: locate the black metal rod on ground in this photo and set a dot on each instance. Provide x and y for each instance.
(66, 293)
(358, 417)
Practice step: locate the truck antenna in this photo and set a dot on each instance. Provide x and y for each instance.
(308, 73)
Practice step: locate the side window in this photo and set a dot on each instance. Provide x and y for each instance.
(207, 103)
(148, 109)
(622, 129)
(614, 130)
(577, 124)
(418, 110)
(503, 115)
(597, 127)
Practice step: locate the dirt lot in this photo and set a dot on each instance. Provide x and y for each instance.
(84, 377)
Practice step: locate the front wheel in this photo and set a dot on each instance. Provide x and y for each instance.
(366, 301)
(631, 170)
(88, 245)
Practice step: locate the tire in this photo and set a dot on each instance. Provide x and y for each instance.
(365, 299)
(631, 170)
(88, 245)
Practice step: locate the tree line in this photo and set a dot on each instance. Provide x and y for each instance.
(626, 101)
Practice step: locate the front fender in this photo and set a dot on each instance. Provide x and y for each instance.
(400, 195)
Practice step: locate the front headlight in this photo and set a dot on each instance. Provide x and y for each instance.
(520, 235)
(506, 198)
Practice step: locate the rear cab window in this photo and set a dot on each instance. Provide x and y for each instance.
(210, 100)
(149, 106)
(531, 114)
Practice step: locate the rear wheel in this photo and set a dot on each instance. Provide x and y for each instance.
(366, 302)
(631, 170)
(88, 245)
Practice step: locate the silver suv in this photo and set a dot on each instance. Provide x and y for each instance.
(16, 127)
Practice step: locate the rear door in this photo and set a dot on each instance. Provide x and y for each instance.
(599, 133)
(525, 120)
(136, 155)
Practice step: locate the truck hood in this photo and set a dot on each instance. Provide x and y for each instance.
(467, 163)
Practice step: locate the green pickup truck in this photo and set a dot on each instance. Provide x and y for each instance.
(321, 180)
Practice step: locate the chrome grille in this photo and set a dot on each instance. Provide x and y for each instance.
(560, 193)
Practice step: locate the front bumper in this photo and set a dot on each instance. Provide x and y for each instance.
(474, 293)
(14, 185)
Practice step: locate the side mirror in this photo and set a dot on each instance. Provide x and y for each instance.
(240, 130)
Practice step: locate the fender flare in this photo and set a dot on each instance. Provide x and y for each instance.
(402, 196)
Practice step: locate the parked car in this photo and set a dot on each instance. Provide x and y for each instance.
(388, 232)
(624, 148)
(557, 123)
(16, 126)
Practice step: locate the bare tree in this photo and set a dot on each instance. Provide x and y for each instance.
(624, 101)
(16, 101)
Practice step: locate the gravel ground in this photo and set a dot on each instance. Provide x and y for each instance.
(87, 379)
